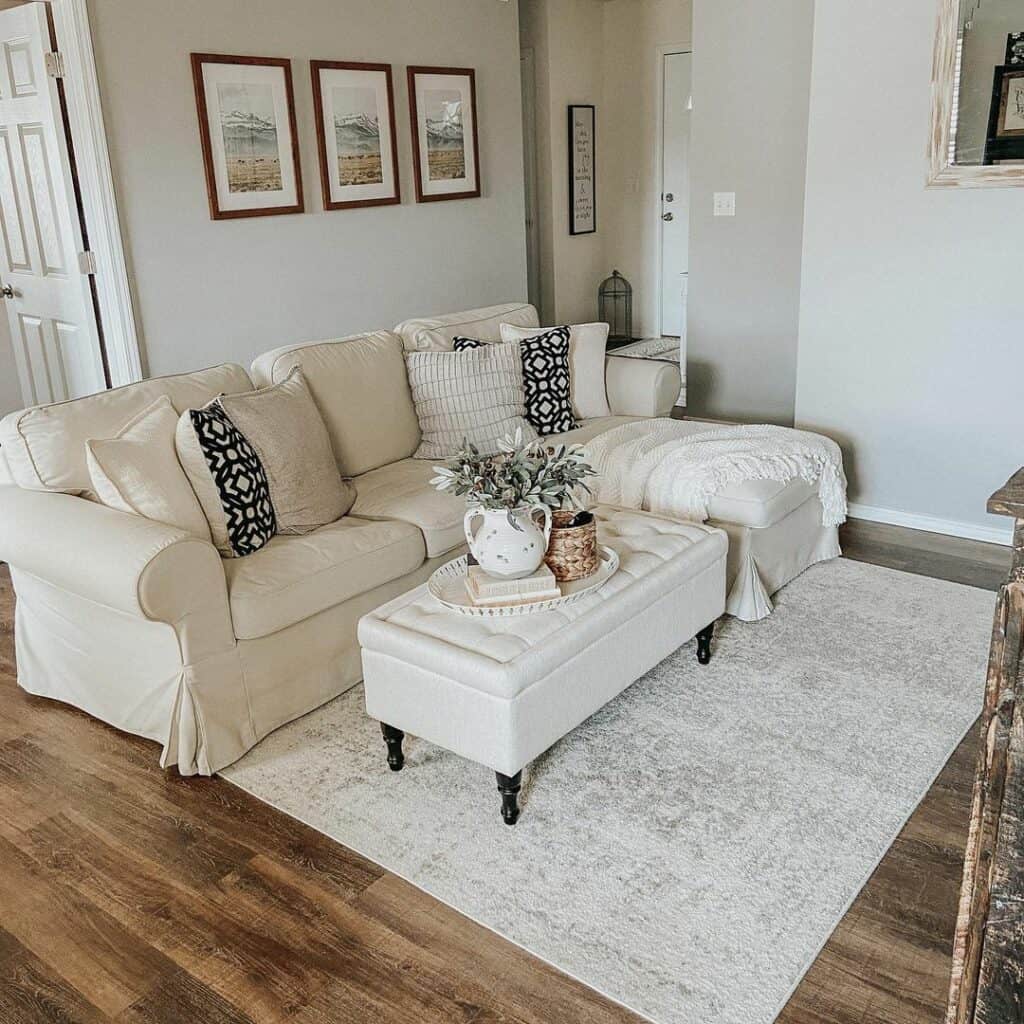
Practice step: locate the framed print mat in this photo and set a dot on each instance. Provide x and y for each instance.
(442, 106)
(582, 172)
(1010, 122)
(355, 122)
(247, 129)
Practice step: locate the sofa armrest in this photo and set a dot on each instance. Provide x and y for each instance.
(124, 562)
(641, 387)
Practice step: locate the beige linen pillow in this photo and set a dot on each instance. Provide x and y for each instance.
(475, 396)
(588, 345)
(285, 427)
(138, 471)
(261, 463)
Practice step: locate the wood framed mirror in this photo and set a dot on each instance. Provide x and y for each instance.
(977, 128)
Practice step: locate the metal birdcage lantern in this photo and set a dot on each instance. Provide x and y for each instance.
(615, 308)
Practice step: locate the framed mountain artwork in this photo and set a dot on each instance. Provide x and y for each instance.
(446, 156)
(247, 129)
(355, 119)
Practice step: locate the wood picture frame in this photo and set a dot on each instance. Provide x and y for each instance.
(248, 135)
(582, 142)
(942, 172)
(445, 150)
(364, 139)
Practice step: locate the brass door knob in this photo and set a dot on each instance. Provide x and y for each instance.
(7, 291)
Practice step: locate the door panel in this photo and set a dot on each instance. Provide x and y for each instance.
(675, 201)
(10, 211)
(52, 318)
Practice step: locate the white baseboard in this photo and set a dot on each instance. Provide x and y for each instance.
(932, 524)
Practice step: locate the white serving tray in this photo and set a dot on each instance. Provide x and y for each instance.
(448, 586)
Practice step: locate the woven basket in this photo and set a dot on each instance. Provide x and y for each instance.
(572, 552)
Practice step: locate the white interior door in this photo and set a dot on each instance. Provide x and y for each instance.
(48, 298)
(675, 194)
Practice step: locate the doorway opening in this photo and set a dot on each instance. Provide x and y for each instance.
(676, 109)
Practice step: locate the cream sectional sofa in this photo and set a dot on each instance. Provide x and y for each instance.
(148, 629)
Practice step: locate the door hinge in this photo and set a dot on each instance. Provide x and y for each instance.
(55, 64)
(87, 262)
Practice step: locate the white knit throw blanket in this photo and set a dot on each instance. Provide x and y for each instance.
(661, 466)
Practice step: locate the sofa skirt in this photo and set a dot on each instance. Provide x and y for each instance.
(129, 672)
(762, 561)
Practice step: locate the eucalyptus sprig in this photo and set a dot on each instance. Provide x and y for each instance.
(521, 474)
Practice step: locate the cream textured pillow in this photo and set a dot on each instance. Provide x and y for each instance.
(138, 471)
(261, 463)
(588, 345)
(475, 396)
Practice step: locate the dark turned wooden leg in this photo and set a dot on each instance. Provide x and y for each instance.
(393, 738)
(508, 787)
(704, 644)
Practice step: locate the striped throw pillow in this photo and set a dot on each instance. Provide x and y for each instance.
(467, 396)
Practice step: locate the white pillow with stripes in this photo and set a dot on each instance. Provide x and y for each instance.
(475, 396)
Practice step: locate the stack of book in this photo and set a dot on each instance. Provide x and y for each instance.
(491, 591)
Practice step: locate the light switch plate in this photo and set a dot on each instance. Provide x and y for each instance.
(725, 204)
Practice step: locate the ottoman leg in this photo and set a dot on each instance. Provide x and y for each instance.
(393, 738)
(704, 644)
(508, 787)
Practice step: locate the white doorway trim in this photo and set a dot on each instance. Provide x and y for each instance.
(660, 54)
(529, 90)
(96, 183)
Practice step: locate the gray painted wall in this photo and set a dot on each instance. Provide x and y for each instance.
(910, 333)
(10, 387)
(210, 291)
(751, 81)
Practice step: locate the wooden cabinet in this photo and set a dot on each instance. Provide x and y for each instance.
(987, 985)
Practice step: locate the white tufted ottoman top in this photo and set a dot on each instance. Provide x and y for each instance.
(502, 656)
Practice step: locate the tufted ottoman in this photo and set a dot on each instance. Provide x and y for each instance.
(500, 691)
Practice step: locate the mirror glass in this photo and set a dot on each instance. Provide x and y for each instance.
(988, 101)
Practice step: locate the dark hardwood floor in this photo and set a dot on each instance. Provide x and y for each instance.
(131, 894)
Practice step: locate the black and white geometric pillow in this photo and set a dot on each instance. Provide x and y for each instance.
(239, 477)
(546, 380)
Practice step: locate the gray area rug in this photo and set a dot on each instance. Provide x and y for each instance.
(689, 849)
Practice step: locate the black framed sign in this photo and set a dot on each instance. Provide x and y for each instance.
(1005, 143)
(582, 171)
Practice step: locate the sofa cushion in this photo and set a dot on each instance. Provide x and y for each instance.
(361, 388)
(45, 446)
(758, 503)
(402, 491)
(754, 503)
(438, 332)
(295, 577)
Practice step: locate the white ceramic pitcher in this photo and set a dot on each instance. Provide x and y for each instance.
(510, 552)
